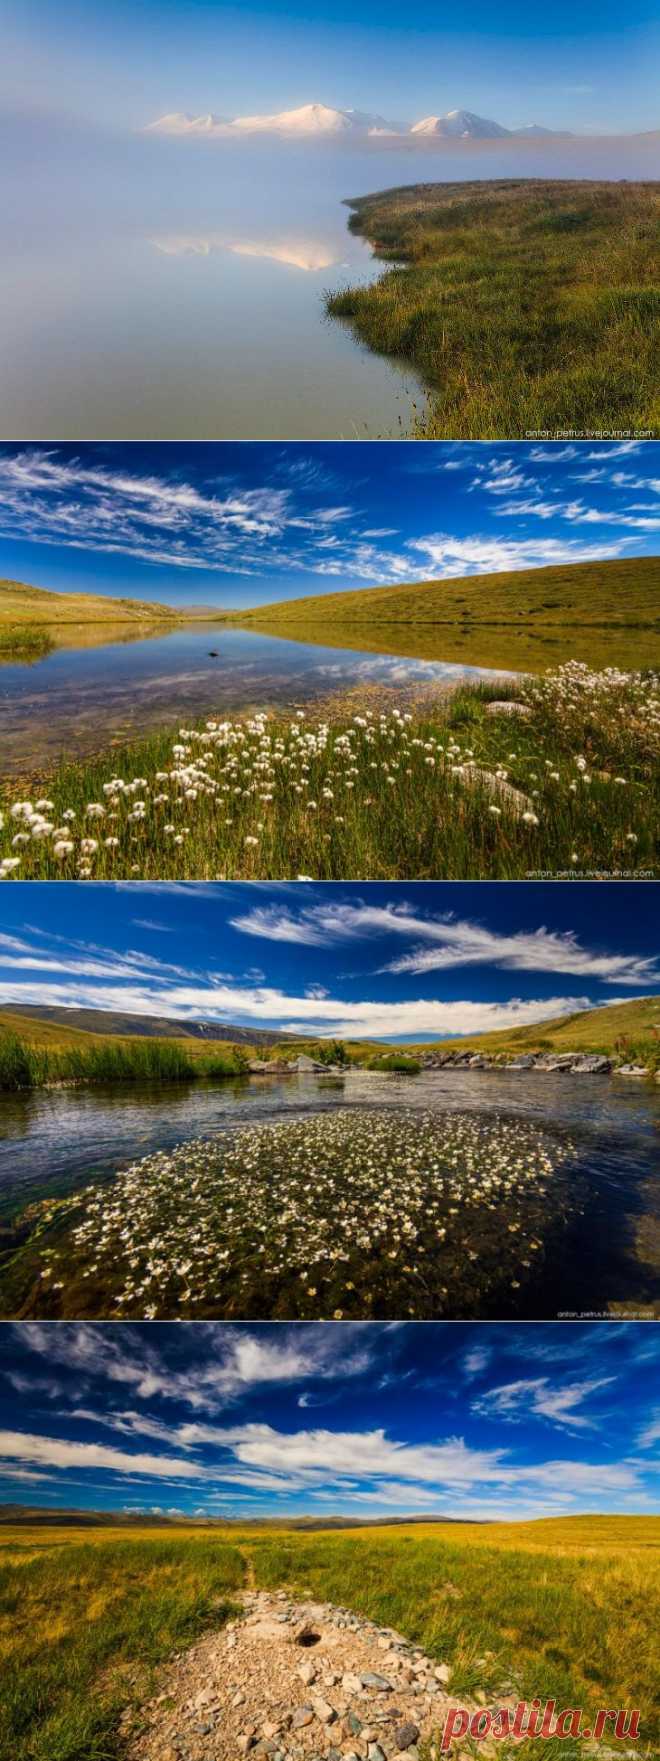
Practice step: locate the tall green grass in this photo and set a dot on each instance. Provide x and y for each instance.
(82, 1627)
(527, 306)
(581, 1630)
(113, 1061)
(24, 642)
(21, 1065)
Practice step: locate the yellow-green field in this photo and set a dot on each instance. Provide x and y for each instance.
(565, 1608)
(614, 1031)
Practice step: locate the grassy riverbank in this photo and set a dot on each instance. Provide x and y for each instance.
(619, 595)
(564, 1608)
(525, 306)
(568, 784)
(24, 1065)
(623, 1032)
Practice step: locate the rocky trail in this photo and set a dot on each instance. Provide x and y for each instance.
(294, 1681)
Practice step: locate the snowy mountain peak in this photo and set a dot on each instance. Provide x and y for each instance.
(460, 125)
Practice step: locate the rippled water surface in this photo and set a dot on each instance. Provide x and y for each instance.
(54, 1142)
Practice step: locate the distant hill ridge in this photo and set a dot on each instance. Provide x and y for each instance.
(21, 603)
(117, 1025)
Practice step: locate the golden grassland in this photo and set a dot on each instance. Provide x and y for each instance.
(605, 1030)
(566, 1608)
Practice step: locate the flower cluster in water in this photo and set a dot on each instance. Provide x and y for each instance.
(358, 1213)
(386, 794)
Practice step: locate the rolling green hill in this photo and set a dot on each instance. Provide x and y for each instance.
(592, 1030)
(22, 604)
(621, 594)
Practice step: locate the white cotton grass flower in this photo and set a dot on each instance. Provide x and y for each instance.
(391, 792)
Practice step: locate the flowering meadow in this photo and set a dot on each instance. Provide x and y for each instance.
(375, 1212)
(566, 781)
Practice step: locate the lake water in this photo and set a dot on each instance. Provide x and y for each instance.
(75, 700)
(54, 1142)
(175, 289)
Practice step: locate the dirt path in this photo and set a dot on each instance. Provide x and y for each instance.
(293, 1681)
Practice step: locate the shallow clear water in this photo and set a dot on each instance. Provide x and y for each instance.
(55, 1142)
(75, 699)
(175, 289)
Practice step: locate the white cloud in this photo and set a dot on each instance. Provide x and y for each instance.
(231, 1359)
(446, 941)
(536, 1395)
(476, 1360)
(651, 1432)
(449, 556)
(58, 1453)
(413, 1017)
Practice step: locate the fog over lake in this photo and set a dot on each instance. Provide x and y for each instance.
(172, 289)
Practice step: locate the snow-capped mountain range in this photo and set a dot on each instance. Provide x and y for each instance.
(322, 120)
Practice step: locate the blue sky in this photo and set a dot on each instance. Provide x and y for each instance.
(119, 64)
(408, 962)
(498, 1420)
(239, 524)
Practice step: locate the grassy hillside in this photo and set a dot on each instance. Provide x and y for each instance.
(616, 594)
(562, 1608)
(526, 306)
(44, 1025)
(635, 1023)
(22, 604)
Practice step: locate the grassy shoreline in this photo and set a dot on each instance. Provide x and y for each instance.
(525, 306)
(567, 783)
(24, 1066)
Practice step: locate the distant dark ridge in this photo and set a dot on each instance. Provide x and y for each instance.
(113, 1022)
(34, 1515)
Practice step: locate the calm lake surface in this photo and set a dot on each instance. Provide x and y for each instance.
(52, 1143)
(76, 699)
(175, 289)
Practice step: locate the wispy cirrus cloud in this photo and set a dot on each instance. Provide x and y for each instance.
(303, 517)
(445, 941)
(559, 1403)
